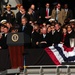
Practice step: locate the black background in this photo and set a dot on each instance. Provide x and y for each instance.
(27, 3)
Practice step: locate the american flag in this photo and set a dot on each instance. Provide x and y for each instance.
(60, 53)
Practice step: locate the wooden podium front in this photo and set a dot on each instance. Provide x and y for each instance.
(15, 43)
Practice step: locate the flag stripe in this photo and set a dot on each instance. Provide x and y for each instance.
(61, 52)
(68, 49)
(68, 52)
(52, 56)
(56, 53)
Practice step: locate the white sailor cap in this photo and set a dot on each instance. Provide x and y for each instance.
(72, 20)
(52, 20)
(3, 21)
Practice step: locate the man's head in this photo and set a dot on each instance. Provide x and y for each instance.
(58, 6)
(57, 26)
(32, 7)
(44, 30)
(9, 25)
(6, 29)
(23, 11)
(65, 6)
(36, 28)
(8, 7)
(2, 28)
(69, 28)
(24, 21)
(30, 11)
(47, 5)
(52, 28)
(19, 6)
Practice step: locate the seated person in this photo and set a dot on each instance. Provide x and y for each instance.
(43, 39)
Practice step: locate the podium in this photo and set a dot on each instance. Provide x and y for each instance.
(72, 42)
(15, 42)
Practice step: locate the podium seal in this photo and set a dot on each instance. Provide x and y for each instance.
(15, 37)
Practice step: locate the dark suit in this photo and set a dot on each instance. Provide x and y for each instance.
(3, 42)
(59, 34)
(27, 33)
(40, 16)
(69, 14)
(55, 38)
(0, 16)
(27, 29)
(42, 38)
(67, 38)
(10, 17)
(30, 17)
(35, 38)
(18, 17)
(43, 13)
(27, 16)
(34, 15)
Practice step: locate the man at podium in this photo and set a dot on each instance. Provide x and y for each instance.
(25, 27)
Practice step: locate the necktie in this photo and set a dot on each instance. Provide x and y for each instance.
(44, 35)
(53, 32)
(22, 28)
(23, 16)
(66, 11)
(33, 13)
(46, 12)
(5, 35)
(56, 15)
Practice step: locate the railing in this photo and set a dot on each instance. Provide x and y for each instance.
(50, 70)
(42, 70)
